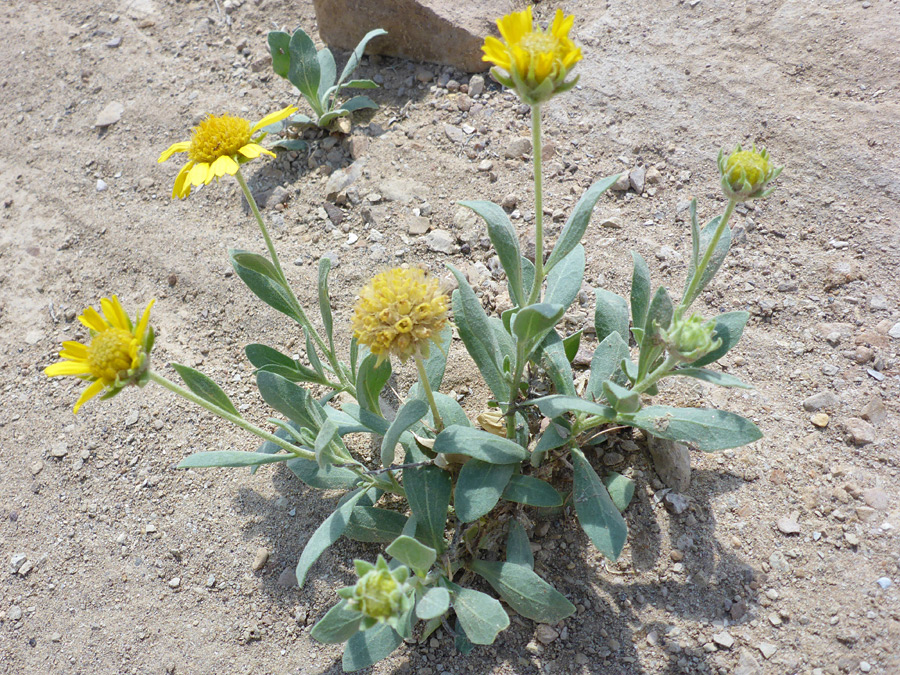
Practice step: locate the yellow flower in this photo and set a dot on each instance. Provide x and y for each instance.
(398, 312)
(746, 173)
(219, 145)
(117, 353)
(532, 61)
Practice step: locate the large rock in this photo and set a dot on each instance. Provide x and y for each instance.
(450, 32)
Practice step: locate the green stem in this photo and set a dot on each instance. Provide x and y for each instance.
(535, 295)
(426, 385)
(304, 320)
(234, 419)
(704, 262)
(661, 371)
(262, 227)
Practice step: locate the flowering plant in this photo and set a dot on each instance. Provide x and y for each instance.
(447, 495)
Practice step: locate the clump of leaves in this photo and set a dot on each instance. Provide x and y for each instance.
(314, 74)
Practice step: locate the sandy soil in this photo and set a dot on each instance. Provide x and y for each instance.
(107, 524)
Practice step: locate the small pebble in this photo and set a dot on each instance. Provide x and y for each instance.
(723, 639)
(262, 557)
(820, 420)
(767, 650)
(884, 582)
(14, 613)
(174, 582)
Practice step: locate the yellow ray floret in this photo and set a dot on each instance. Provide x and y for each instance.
(117, 352)
(399, 312)
(218, 146)
(534, 62)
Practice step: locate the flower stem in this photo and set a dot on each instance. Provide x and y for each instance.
(304, 320)
(234, 419)
(535, 295)
(248, 195)
(704, 262)
(664, 369)
(426, 385)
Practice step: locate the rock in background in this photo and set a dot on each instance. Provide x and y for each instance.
(441, 31)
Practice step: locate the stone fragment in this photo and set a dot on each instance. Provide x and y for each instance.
(402, 190)
(111, 114)
(672, 462)
(14, 613)
(454, 133)
(820, 420)
(884, 582)
(335, 215)
(622, 183)
(653, 176)
(476, 85)
(262, 557)
(450, 32)
(441, 241)
(16, 561)
(859, 431)
(174, 582)
(723, 639)
(894, 332)
(59, 450)
(341, 180)
(612, 222)
(637, 178)
(288, 578)
(767, 650)
(418, 225)
(546, 634)
(788, 526)
(874, 411)
(876, 498)
(518, 148)
(676, 503)
(823, 399)
(279, 195)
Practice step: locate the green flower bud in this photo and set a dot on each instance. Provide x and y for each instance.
(380, 594)
(747, 173)
(690, 339)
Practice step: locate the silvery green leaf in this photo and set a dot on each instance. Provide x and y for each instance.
(304, 71)
(506, 242)
(518, 548)
(428, 493)
(729, 328)
(479, 487)
(480, 615)
(372, 524)
(357, 54)
(262, 278)
(707, 428)
(412, 553)
(578, 221)
(279, 48)
(531, 491)
(325, 535)
(640, 292)
(433, 604)
(479, 444)
(408, 414)
(610, 314)
(369, 646)
(605, 363)
(620, 488)
(338, 625)
(327, 74)
(524, 591)
(598, 515)
(205, 388)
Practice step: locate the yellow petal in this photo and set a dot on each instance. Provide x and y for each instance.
(88, 394)
(182, 186)
(112, 310)
(199, 173)
(91, 318)
(175, 147)
(76, 349)
(142, 324)
(223, 165)
(251, 150)
(271, 118)
(67, 368)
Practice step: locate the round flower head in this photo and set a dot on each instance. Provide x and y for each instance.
(219, 145)
(399, 312)
(533, 62)
(746, 173)
(116, 356)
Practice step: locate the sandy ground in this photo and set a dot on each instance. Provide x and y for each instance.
(132, 566)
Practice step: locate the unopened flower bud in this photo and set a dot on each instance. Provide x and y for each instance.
(690, 339)
(747, 173)
(380, 594)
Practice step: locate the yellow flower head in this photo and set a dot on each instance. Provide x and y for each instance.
(532, 61)
(219, 145)
(116, 356)
(398, 312)
(746, 173)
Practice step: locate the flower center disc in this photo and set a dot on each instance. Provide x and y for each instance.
(216, 137)
(539, 43)
(110, 353)
(752, 163)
